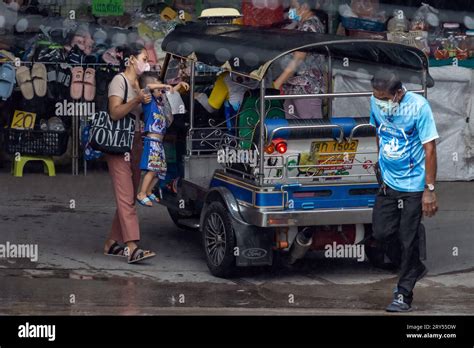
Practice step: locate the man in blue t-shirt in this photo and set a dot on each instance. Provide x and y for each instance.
(406, 134)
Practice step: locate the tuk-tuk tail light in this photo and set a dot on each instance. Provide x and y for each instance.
(281, 147)
(269, 149)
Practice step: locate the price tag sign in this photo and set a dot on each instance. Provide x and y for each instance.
(23, 120)
(103, 8)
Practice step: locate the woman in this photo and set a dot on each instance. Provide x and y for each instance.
(124, 169)
(304, 73)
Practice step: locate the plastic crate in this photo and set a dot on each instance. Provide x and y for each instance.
(354, 23)
(35, 142)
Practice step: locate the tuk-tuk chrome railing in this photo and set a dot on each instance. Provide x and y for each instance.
(309, 172)
(323, 126)
(211, 137)
(357, 128)
(233, 143)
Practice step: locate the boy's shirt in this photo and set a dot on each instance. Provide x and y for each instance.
(401, 140)
(157, 114)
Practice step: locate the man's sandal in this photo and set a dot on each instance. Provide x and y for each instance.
(116, 250)
(140, 255)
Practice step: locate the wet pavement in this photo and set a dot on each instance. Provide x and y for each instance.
(68, 218)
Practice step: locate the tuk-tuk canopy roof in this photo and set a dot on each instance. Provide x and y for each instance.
(250, 51)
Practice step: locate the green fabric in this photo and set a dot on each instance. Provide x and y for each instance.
(468, 63)
(249, 117)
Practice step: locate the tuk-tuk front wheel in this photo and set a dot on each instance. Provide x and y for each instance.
(219, 240)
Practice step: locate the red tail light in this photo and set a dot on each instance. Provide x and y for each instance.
(281, 147)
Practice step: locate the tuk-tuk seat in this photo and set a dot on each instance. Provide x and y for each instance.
(249, 114)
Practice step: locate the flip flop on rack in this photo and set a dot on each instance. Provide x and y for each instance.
(89, 85)
(77, 84)
(7, 81)
(39, 75)
(23, 77)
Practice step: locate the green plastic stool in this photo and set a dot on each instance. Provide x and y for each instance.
(18, 165)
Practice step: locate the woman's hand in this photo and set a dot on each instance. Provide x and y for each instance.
(143, 97)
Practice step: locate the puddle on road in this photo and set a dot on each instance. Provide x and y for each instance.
(97, 292)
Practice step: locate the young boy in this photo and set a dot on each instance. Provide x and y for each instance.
(158, 117)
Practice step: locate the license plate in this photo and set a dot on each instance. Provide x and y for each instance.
(337, 156)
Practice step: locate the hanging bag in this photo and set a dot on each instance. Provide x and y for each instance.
(110, 136)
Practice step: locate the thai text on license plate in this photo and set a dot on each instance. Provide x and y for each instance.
(338, 156)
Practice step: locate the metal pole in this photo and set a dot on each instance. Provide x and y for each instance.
(74, 144)
(262, 133)
(424, 83)
(330, 86)
(191, 107)
(165, 67)
(327, 95)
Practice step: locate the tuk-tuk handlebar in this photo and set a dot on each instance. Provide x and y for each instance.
(274, 131)
(359, 126)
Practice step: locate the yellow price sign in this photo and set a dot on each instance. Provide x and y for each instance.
(23, 120)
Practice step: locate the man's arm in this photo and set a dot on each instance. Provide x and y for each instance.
(430, 205)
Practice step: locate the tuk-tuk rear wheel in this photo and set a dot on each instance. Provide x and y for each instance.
(219, 240)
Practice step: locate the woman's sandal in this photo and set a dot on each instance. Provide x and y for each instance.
(116, 250)
(140, 255)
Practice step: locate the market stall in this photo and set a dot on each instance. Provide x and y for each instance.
(56, 60)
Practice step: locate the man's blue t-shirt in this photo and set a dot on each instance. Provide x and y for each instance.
(401, 139)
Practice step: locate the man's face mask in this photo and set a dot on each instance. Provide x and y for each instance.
(389, 107)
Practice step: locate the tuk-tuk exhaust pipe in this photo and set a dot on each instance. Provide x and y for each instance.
(302, 243)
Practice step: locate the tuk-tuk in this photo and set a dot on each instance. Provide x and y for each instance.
(312, 181)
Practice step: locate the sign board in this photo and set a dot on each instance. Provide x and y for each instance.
(23, 120)
(103, 8)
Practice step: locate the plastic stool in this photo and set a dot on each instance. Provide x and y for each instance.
(17, 169)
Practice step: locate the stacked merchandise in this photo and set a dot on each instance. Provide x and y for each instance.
(53, 67)
(445, 42)
(363, 19)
